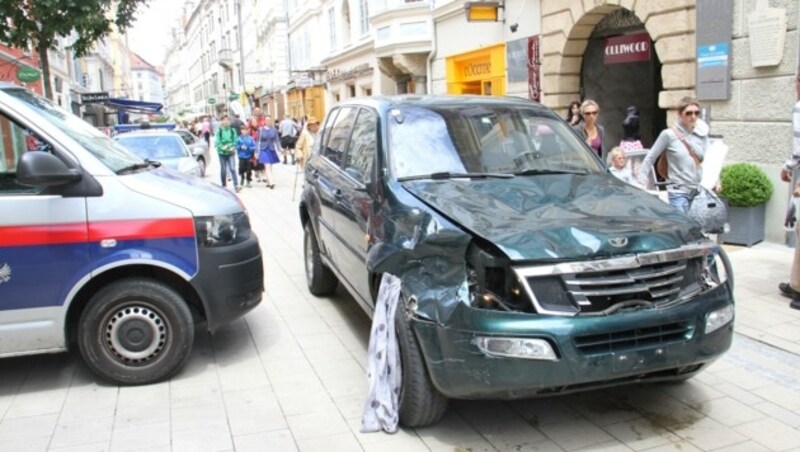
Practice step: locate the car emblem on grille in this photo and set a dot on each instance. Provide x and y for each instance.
(618, 242)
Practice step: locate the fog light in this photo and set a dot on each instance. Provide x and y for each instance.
(719, 318)
(510, 347)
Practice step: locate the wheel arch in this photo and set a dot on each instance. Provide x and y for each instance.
(96, 283)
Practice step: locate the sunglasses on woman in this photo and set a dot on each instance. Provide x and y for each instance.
(692, 112)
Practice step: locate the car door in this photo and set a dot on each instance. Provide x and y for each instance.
(354, 204)
(43, 246)
(326, 173)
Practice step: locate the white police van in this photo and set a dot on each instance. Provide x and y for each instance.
(113, 253)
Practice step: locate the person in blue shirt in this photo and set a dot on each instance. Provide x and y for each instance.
(246, 150)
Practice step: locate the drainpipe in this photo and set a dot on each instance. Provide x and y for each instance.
(432, 53)
(241, 44)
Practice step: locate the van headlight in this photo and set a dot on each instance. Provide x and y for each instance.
(516, 347)
(222, 230)
(719, 318)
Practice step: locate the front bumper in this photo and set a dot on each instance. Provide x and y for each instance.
(230, 281)
(460, 370)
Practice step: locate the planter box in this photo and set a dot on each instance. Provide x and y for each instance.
(747, 225)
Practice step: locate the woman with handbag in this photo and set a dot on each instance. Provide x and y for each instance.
(683, 147)
(269, 144)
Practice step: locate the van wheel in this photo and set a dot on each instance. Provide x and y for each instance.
(202, 164)
(321, 280)
(136, 331)
(420, 402)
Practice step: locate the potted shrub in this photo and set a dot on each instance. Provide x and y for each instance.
(746, 189)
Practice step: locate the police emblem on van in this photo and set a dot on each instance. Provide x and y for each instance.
(5, 273)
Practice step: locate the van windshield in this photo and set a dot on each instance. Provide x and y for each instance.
(112, 154)
(483, 139)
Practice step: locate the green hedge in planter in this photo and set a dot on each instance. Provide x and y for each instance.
(745, 185)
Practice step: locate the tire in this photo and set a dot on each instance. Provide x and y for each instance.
(111, 327)
(320, 279)
(202, 164)
(420, 402)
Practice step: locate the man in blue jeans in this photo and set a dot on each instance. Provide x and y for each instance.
(225, 142)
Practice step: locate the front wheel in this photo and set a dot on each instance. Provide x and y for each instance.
(136, 331)
(202, 164)
(420, 402)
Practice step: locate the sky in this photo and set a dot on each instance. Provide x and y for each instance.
(150, 35)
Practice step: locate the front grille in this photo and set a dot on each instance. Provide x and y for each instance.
(635, 338)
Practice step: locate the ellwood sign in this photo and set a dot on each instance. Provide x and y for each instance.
(626, 49)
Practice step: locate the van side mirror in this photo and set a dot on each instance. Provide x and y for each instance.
(37, 168)
(197, 151)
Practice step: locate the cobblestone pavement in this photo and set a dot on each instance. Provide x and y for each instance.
(290, 376)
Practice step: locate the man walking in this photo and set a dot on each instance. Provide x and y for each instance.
(237, 124)
(288, 131)
(792, 288)
(225, 142)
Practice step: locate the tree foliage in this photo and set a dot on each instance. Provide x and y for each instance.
(42, 22)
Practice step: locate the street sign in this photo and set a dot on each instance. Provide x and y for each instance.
(212, 101)
(27, 74)
(94, 98)
(233, 96)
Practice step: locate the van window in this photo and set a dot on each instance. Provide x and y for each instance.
(363, 145)
(339, 135)
(15, 141)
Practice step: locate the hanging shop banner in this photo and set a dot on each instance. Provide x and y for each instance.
(534, 63)
(95, 98)
(714, 34)
(626, 49)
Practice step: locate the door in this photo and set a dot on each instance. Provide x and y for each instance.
(43, 247)
(354, 203)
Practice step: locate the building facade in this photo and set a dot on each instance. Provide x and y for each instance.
(147, 80)
(15, 63)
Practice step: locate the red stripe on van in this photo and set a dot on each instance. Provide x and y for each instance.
(141, 229)
(53, 234)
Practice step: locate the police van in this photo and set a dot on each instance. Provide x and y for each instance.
(111, 253)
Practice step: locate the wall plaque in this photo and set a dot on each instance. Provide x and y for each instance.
(767, 29)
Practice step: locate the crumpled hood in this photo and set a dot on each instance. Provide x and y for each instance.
(201, 197)
(561, 216)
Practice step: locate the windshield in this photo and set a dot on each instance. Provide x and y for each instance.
(156, 147)
(104, 148)
(483, 139)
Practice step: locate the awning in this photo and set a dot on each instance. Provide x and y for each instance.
(135, 105)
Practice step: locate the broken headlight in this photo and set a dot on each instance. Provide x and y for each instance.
(492, 285)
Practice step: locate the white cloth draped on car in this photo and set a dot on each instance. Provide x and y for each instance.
(383, 362)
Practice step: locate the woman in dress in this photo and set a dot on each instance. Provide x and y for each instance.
(592, 132)
(269, 144)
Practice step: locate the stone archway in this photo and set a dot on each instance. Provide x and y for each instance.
(568, 24)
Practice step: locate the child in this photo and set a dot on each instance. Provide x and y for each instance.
(245, 149)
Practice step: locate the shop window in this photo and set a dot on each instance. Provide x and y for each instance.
(363, 146)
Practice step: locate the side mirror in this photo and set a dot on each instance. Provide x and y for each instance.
(37, 168)
(197, 151)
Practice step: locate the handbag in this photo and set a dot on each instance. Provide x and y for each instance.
(709, 210)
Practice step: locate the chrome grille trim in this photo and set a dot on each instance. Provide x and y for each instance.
(639, 279)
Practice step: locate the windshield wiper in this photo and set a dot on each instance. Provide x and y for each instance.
(536, 172)
(137, 166)
(450, 175)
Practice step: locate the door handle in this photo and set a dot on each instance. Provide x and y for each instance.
(315, 173)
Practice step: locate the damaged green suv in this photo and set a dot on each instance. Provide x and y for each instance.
(527, 269)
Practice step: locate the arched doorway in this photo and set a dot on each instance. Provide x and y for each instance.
(620, 70)
(568, 27)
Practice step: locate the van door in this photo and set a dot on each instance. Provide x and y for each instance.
(355, 202)
(43, 248)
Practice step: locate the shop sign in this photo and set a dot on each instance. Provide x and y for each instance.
(212, 101)
(27, 74)
(626, 48)
(94, 98)
(534, 63)
(714, 31)
(477, 69)
(344, 74)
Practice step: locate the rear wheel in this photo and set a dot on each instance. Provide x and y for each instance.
(201, 162)
(320, 279)
(136, 331)
(420, 402)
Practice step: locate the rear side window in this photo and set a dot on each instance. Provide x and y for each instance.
(339, 135)
(363, 145)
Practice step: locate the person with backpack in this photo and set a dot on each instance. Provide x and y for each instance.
(683, 146)
(225, 143)
(288, 130)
